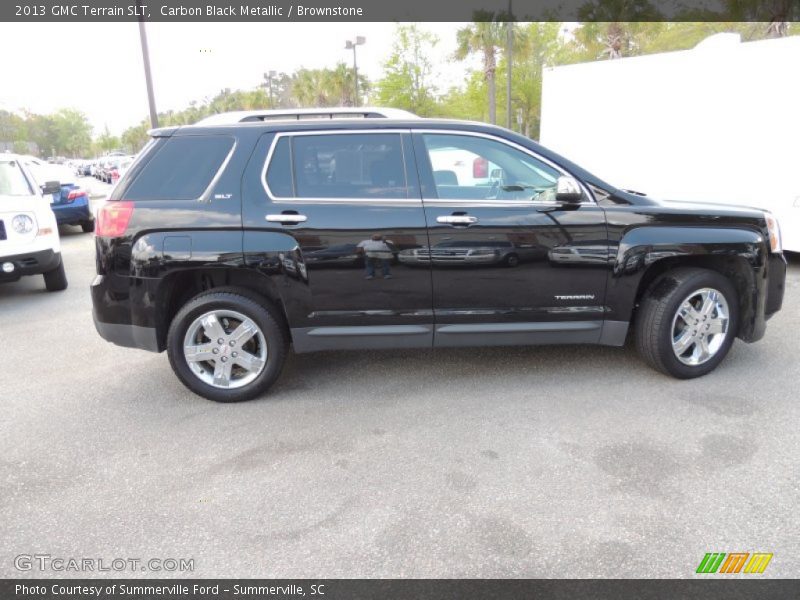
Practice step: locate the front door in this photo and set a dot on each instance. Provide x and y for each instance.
(327, 217)
(509, 264)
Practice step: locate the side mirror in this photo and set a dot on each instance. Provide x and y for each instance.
(568, 190)
(51, 187)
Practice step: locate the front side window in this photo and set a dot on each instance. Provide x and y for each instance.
(349, 166)
(476, 168)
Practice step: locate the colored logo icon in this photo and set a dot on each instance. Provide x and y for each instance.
(734, 562)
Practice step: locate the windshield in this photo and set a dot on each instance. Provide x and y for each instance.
(12, 180)
(43, 173)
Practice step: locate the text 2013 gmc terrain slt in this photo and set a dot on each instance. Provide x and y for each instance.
(233, 239)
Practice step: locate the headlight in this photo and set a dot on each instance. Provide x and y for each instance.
(22, 224)
(774, 229)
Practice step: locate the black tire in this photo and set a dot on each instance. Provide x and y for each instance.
(512, 260)
(87, 226)
(654, 320)
(56, 280)
(254, 307)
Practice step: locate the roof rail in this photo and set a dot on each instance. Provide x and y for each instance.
(302, 114)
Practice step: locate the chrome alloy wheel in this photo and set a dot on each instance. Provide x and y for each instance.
(700, 326)
(225, 349)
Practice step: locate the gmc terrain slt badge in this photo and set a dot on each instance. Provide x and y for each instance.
(391, 231)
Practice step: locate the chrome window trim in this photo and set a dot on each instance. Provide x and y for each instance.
(206, 195)
(295, 200)
(523, 149)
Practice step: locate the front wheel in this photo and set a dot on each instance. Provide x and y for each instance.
(687, 322)
(56, 280)
(227, 346)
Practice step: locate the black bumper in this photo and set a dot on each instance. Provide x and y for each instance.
(30, 263)
(776, 284)
(111, 314)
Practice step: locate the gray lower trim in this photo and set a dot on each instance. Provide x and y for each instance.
(518, 334)
(312, 339)
(375, 337)
(130, 336)
(368, 330)
(519, 327)
(614, 333)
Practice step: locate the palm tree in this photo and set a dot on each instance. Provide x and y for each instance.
(485, 38)
(310, 88)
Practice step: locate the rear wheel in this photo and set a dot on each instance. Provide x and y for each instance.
(87, 226)
(227, 346)
(56, 280)
(687, 322)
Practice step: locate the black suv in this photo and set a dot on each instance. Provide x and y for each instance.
(228, 241)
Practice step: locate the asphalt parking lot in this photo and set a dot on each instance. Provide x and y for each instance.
(504, 462)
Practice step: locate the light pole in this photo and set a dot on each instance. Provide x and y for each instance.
(350, 44)
(148, 78)
(269, 76)
(509, 60)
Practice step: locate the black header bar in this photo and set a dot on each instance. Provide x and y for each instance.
(713, 588)
(104, 11)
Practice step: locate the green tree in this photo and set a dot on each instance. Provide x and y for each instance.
(72, 133)
(106, 142)
(407, 80)
(484, 37)
(468, 102)
(536, 45)
(327, 87)
(133, 139)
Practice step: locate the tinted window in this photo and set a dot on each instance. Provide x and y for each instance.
(365, 166)
(181, 169)
(477, 168)
(279, 173)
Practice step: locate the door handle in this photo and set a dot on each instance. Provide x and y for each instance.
(457, 219)
(287, 218)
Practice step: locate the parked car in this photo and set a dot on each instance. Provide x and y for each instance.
(83, 168)
(119, 167)
(71, 202)
(202, 251)
(103, 169)
(95, 167)
(29, 242)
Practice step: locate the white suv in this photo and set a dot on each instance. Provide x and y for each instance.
(29, 242)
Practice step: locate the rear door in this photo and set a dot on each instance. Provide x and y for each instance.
(326, 215)
(509, 265)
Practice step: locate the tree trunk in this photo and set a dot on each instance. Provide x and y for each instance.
(492, 97)
(490, 67)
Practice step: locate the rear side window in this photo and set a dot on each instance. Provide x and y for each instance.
(345, 166)
(181, 169)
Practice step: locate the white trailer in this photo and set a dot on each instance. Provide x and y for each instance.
(718, 123)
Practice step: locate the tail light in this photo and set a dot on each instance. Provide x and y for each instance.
(113, 218)
(75, 194)
(480, 168)
(114, 176)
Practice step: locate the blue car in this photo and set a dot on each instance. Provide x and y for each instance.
(71, 206)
